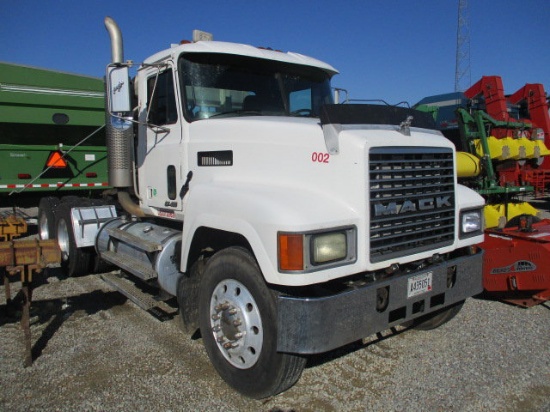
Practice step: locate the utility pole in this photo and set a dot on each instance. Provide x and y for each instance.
(463, 77)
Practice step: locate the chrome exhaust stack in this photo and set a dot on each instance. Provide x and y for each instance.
(118, 121)
(117, 49)
(119, 126)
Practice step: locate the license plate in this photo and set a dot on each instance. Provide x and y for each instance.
(419, 284)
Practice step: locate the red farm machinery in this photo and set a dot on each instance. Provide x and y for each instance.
(502, 152)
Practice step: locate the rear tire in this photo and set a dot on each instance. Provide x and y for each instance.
(436, 319)
(74, 261)
(46, 218)
(238, 323)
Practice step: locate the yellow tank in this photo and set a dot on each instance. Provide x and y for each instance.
(510, 148)
(524, 208)
(467, 164)
(495, 214)
(540, 148)
(529, 146)
(516, 149)
(499, 149)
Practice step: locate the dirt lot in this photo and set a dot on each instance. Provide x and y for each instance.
(95, 351)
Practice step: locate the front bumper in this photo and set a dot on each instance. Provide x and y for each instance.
(316, 325)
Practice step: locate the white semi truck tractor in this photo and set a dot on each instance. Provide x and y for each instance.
(285, 224)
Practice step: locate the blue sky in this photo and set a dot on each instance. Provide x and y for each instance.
(384, 49)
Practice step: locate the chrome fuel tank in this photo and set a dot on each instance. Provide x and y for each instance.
(146, 250)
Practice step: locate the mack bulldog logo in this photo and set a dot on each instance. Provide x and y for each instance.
(519, 266)
(118, 87)
(428, 203)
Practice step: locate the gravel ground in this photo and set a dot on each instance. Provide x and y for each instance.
(96, 351)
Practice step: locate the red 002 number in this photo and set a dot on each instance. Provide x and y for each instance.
(319, 157)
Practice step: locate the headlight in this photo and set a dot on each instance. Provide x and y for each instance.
(316, 250)
(329, 247)
(471, 223)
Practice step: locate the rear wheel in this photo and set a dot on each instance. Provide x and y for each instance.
(437, 319)
(74, 261)
(46, 217)
(238, 323)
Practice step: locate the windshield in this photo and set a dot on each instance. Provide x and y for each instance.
(220, 85)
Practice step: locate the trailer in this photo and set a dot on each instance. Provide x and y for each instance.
(52, 147)
(52, 140)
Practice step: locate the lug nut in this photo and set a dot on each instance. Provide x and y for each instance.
(221, 307)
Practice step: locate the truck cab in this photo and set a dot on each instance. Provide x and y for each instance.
(285, 224)
(183, 90)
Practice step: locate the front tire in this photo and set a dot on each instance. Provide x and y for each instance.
(238, 323)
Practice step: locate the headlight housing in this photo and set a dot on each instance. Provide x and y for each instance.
(471, 223)
(311, 251)
(328, 247)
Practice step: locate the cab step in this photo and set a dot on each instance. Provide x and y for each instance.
(158, 308)
(134, 266)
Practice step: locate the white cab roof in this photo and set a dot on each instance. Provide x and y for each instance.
(242, 50)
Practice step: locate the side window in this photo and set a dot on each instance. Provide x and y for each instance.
(162, 99)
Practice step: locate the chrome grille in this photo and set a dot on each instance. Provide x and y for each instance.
(412, 200)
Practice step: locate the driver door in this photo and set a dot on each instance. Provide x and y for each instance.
(162, 163)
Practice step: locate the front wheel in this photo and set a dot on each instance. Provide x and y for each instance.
(238, 323)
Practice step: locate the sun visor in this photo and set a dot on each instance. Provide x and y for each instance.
(374, 114)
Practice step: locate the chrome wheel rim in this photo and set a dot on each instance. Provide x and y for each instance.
(43, 231)
(63, 239)
(236, 323)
